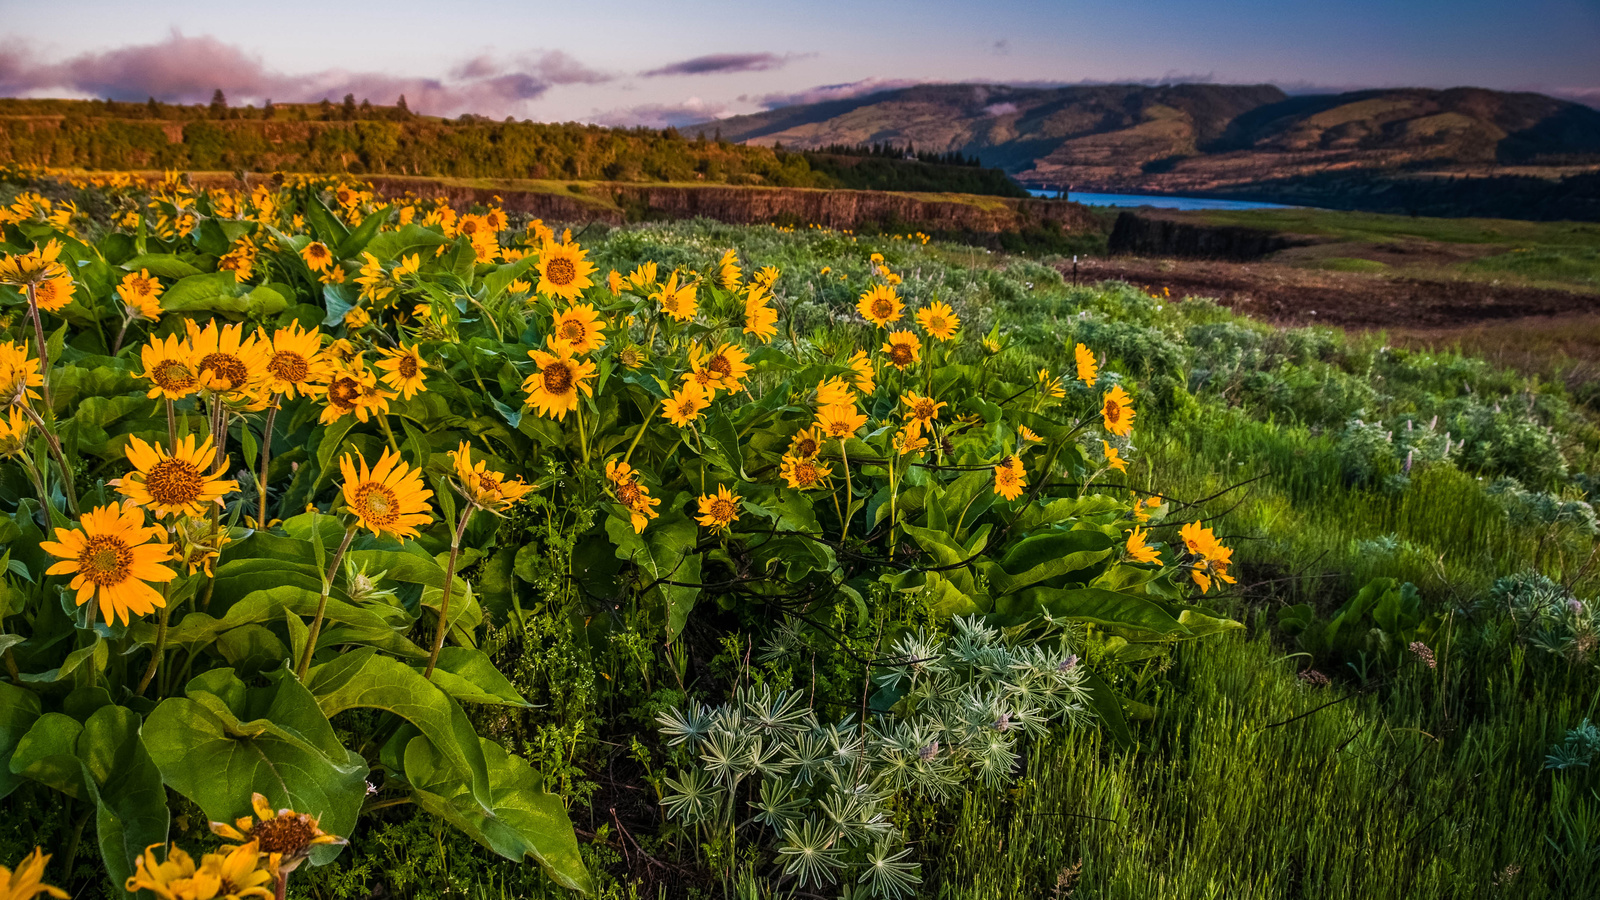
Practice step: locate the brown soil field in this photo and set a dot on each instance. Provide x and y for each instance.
(1550, 332)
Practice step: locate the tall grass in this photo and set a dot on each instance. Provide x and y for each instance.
(1252, 784)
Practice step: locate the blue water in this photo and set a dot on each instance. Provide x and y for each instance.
(1089, 199)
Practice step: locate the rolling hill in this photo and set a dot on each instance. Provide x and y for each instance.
(1206, 138)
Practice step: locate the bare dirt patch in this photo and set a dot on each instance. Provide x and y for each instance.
(1293, 296)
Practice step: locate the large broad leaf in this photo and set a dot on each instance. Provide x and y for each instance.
(1108, 707)
(1044, 557)
(362, 678)
(1132, 617)
(952, 560)
(522, 820)
(226, 741)
(664, 553)
(102, 762)
(358, 239)
(162, 265)
(214, 292)
(470, 676)
(411, 239)
(495, 283)
(19, 709)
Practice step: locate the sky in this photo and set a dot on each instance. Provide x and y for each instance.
(628, 62)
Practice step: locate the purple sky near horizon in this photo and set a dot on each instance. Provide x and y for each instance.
(633, 62)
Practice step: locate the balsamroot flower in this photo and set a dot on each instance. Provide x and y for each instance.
(1139, 550)
(632, 494)
(903, 348)
(179, 482)
(939, 320)
(484, 487)
(564, 271)
(403, 370)
(389, 498)
(1010, 478)
(27, 880)
(686, 404)
(111, 558)
(1116, 412)
(286, 835)
(719, 510)
(880, 305)
(553, 388)
(579, 328)
(1088, 371)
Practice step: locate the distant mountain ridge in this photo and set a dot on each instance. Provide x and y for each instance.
(1201, 137)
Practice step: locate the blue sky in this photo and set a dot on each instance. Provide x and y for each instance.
(622, 61)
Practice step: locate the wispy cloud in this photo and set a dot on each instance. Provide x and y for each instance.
(721, 63)
(185, 69)
(844, 91)
(664, 115)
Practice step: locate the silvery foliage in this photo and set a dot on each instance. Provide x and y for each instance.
(1548, 616)
(953, 709)
(1580, 748)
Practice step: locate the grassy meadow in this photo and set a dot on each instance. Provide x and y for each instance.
(1388, 703)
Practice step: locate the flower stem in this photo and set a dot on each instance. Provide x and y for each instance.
(444, 600)
(160, 648)
(44, 352)
(322, 605)
(583, 445)
(849, 492)
(60, 456)
(642, 426)
(122, 332)
(172, 425)
(388, 432)
(266, 457)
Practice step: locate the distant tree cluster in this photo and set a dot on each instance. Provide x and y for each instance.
(360, 138)
(890, 150)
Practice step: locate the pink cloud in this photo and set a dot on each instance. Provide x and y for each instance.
(184, 69)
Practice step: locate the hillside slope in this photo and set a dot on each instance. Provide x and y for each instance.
(1202, 137)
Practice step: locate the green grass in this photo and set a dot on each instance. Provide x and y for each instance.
(1577, 265)
(1251, 785)
(1350, 264)
(1357, 226)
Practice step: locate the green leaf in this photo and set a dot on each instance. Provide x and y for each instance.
(226, 741)
(162, 265)
(105, 763)
(19, 709)
(1125, 614)
(325, 224)
(521, 821)
(1108, 707)
(362, 678)
(495, 283)
(357, 240)
(1044, 557)
(215, 292)
(390, 245)
(469, 675)
(665, 552)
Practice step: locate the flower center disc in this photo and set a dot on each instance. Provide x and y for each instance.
(227, 367)
(174, 482)
(560, 271)
(557, 378)
(287, 366)
(105, 560)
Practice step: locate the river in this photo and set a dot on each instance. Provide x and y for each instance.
(1093, 199)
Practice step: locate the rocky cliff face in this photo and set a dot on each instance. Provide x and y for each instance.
(617, 203)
